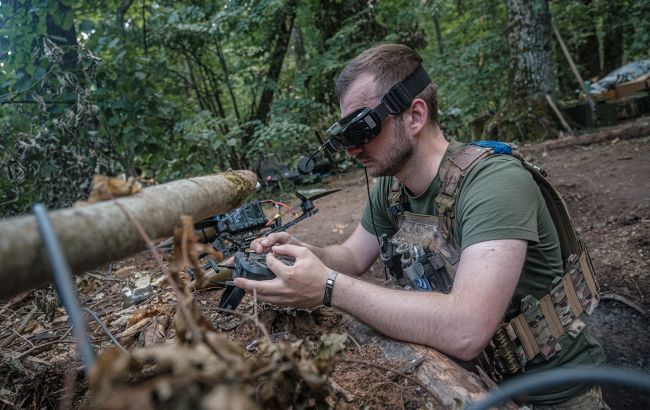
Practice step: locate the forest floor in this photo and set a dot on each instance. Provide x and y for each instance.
(606, 186)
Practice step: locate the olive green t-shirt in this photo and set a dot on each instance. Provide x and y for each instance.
(499, 199)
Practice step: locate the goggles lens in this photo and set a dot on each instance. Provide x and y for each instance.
(355, 129)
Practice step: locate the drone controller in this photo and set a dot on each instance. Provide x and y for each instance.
(253, 266)
(249, 266)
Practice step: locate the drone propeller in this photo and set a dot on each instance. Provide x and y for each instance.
(317, 196)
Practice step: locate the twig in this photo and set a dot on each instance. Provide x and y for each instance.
(624, 300)
(104, 300)
(98, 277)
(407, 377)
(104, 328)
(257, 320)
(34, 84)
(355, 341)
(340, 390)
(22, 326)
(14, 301)
(259, 325)
(65, 400)
(39, 347)
(196, 334)
(22, 337)
(409, 367)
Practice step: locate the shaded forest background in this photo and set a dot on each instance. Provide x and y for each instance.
(183, 88)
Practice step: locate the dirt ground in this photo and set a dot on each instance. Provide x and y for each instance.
(606, 186)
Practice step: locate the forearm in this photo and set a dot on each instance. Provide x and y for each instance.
(427, 318)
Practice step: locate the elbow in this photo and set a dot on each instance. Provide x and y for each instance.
(467, 349)
(472, 342)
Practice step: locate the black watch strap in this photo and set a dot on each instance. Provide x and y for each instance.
(329, 285)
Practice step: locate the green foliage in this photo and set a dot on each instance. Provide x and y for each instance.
(176, 89)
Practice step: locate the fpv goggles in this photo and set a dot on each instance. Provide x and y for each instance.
(362, 125)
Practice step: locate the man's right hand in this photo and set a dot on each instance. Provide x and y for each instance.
(261, 245)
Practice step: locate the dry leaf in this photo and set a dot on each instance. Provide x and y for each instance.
(156, 331)
(105, 188)
(159, 309)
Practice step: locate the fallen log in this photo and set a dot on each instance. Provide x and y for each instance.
(633, 129)
(96, 234)
(454, 387)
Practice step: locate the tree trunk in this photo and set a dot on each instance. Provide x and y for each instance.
(436, 24)
(63, 36)
(588, 57)
(285, 26)
(529, 38)
(96, 234)
(525, 114)
(613, 38)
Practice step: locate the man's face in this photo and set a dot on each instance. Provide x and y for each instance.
(386, 154)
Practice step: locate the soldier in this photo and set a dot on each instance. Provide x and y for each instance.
(466, 229)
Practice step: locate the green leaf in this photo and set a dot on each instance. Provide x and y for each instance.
(68, 20)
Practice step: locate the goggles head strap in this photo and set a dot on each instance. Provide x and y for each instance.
(400, 96)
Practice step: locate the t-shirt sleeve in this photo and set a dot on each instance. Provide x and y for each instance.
(498, 200)
(382, 220)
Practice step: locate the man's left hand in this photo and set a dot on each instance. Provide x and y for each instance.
(299, 285)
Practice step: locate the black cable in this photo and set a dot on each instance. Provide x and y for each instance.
(63, 285)
(541, 381)
(372, 217)
(104, 328)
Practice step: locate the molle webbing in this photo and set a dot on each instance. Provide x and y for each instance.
(451, 174)
(541, 323)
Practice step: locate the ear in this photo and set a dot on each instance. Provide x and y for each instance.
(419, 115)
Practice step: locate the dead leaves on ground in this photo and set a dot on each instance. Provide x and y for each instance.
(202, 375)
(212, 371)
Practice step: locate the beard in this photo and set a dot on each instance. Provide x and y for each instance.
(399, 152)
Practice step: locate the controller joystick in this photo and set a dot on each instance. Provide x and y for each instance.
(249, 266)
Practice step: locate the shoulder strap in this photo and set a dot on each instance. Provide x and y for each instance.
(452, 171)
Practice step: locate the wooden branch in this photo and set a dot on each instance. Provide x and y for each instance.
(224, 67)
(576, 73)
(559, 115)
(634, 129)
(100, 233)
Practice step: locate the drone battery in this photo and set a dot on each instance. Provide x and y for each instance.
(242, 219)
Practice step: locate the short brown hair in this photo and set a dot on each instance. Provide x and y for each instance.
(389, 64)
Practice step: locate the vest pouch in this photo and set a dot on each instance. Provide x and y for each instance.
(417, 277)
(439, 277)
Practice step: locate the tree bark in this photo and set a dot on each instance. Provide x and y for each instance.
(588, 57)
(285, 26)
(100, 233)
(525, 115)
(613, 38)
(529, 37)
(62, 36)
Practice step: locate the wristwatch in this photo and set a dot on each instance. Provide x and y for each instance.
(329, 285)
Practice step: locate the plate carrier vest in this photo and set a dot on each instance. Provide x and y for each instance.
(424, 255)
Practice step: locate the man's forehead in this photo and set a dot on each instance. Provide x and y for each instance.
(362, 92)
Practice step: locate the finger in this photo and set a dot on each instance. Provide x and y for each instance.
(276, 265)
(263, 287)
(255, 245)
(277, 238)
(290, 250)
